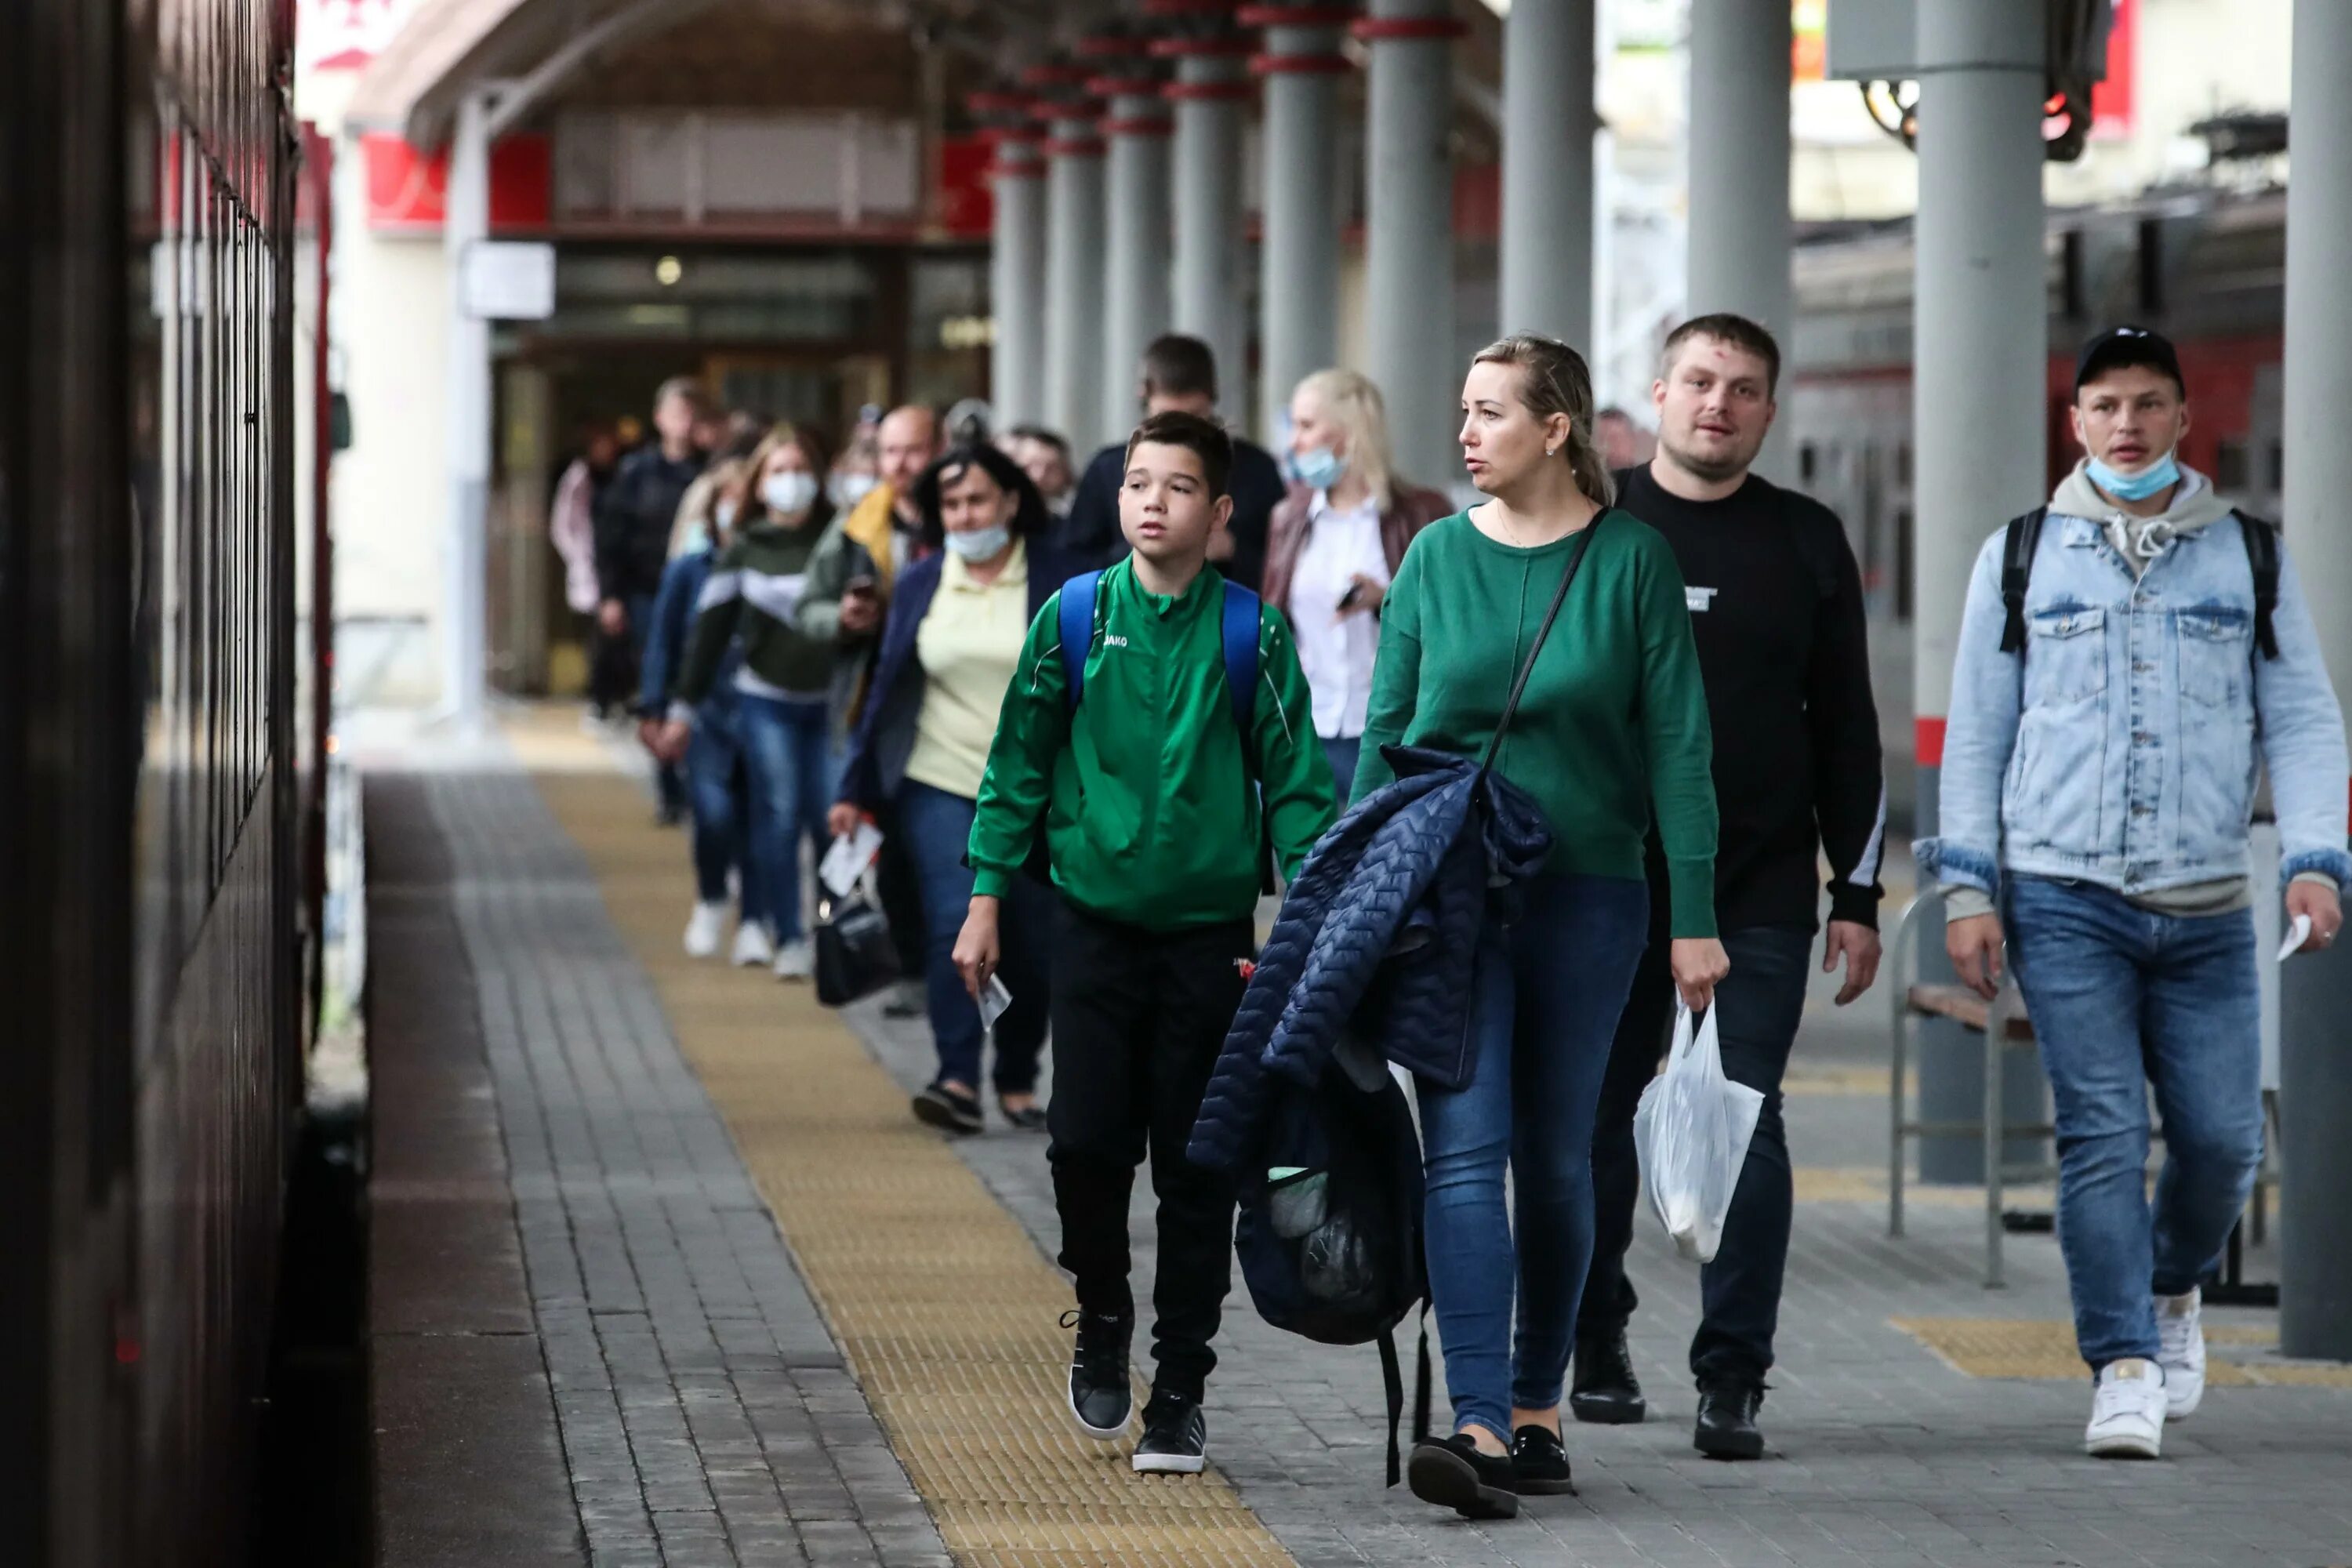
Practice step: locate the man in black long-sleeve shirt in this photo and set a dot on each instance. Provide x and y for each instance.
(1180, 377)
(1776, 603)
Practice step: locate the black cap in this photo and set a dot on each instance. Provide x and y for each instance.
(2120, 346)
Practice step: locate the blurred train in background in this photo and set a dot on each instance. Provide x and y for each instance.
(163, 683)
(2208, 268)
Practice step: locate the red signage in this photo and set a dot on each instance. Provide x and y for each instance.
(406, 189)
(2111, 100)
(967, 202)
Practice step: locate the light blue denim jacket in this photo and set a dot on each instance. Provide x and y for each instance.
(2123, 755)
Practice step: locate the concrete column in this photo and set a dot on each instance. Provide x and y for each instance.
(465, 553)
(1979, 403)
(1074, 278)
(1136, 304)
(1298, 270)
(1548, 126)
(1017, 278)
(1210, 87)
(1737, 257)
(1408, 230)
(2315, 1076)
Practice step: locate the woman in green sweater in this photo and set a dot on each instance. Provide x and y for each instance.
(1611, 732)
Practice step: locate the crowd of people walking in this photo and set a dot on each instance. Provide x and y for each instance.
(1096, 711)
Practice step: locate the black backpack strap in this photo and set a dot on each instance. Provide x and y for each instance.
(2018, 544)
(1392, 1376)
(2261, 537)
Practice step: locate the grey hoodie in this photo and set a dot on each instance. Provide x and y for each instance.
(2140, 540)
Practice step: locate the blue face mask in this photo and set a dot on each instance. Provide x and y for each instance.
(2160, 475)
(980, 543)
(1317, 467)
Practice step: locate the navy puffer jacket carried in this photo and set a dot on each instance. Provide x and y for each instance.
(1378, 937)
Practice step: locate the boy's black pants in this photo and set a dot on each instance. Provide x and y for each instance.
(1139, 1018)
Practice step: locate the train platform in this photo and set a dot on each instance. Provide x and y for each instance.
(663, 1274)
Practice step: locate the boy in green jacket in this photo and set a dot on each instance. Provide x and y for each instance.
(1156, 811)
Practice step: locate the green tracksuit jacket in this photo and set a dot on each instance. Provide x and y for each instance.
(1144, 794)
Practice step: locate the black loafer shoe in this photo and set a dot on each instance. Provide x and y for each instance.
(1539, 1462)
(942, 1107)
(1452, 1473)
(1028, 1119)
(1727, 1422)
(1604, 1391)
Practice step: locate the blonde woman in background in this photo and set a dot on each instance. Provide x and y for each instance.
(1334, 545)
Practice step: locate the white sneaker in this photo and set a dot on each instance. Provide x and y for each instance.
(794, 960)
(2128, 1412)
(2180, 1335)
(754, 948)
(702, 929)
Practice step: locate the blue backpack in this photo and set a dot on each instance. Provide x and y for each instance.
(1239, 629)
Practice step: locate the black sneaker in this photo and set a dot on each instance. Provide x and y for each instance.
(1539, 1462)
(1101, 1401)
(1175, 1436)
(1727, 1421)
(942, 1107)
(1452, 1473)
(1605, 1390)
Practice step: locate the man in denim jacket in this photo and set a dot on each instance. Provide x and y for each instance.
(2095, 802)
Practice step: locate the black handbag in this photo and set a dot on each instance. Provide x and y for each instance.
(855, 954)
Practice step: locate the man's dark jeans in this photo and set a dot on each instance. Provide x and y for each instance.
(1759, 1006)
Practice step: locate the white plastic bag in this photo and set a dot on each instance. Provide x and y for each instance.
(1691, 1134)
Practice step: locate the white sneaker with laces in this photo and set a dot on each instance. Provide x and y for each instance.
(702, 929)
(754, 948)
(2128, 1412)
(794, 960)
(2180, 1335)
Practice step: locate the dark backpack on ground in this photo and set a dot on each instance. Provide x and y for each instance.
(1329, 1235)
(2023, 537)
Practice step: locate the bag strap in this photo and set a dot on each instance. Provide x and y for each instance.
(1077, 631)
(1393, 1378)
(2261, 537)
(1239, 631)
(2018, 544)
(1559, 597)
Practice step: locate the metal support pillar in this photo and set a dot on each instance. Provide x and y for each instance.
(1979, 360)
(1074, 276)
(2315, 1076)
(1211, 86)
(1737, 257)
(1017, 278)
(464, 553)
(1408, 230)
(1298, 275)
(1548, 126)
(1136, 307)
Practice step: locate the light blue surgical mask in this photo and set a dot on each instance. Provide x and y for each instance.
(1317, 467)
(697, 541)
(2162, 474)
(980, 543)
(789, 493)
(848, 490)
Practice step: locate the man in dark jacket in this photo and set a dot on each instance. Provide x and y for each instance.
(634, 512)
(1180, 377)
(1776, 603)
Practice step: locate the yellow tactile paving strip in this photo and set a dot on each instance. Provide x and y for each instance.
(945, 1309)
(2038, 1348)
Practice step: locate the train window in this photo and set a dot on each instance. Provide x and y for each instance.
(1902, 545)
(1808, 461)
(2230, 465)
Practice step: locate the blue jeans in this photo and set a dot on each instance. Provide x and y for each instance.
(669, 782)
(717, 773)
(936, 829)
(1341, 753)
(1544, 1005)
(2120, 998)
(788, 749)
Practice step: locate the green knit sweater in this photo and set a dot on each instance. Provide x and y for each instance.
(1613, 726)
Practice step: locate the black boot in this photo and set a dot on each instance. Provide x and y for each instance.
(1605, 1390)
(1727, 1421)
